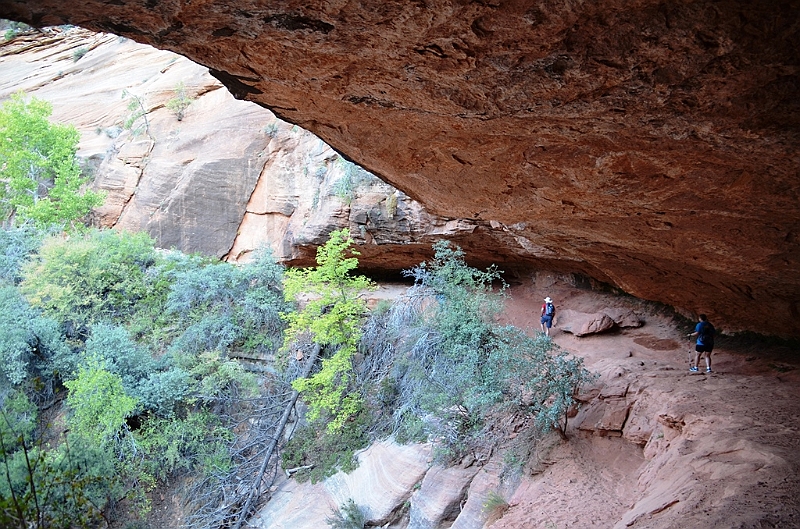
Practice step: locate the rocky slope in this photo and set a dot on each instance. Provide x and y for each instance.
(652, 145)
(651, 446)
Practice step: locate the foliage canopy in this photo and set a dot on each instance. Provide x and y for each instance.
(40, 179)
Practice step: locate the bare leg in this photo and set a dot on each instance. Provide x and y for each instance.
(697, 360)
(708, 361)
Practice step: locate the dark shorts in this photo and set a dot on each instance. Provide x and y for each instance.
(547, 320)
(704, 348)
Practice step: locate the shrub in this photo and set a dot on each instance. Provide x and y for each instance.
(121, 355)
(164, 392)
(453, 365)
(494, 502)
(224, 307)
(30, 345)
(271, 130)
(180, 102)
(42, 180)
(136, 121)
(100, 276)
(348, 516)
(325, 451)
(196, 442)
(65, 487)
(99, 405)
(157, 388)
(17, 245)
(79, 53)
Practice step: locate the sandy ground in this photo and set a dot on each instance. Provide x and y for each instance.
(698, 450)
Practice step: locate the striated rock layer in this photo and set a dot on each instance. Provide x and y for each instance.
(649, 144)
(228, 177)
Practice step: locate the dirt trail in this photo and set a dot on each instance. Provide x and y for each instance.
(695, 450)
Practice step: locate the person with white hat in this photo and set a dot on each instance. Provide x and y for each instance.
(548, 313)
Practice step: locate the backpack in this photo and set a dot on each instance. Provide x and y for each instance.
(707, 334)
(549, 309)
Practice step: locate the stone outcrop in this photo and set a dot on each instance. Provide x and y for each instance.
(229, 177)
(585, 323)
(650, 145)
(380, 486)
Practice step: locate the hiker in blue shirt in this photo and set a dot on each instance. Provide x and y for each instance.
(705, 343)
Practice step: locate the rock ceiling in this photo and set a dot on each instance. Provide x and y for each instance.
(650, 144)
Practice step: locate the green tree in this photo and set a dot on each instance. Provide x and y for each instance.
(332, 316)
(99, 404)
(40, 179)
(63, 487)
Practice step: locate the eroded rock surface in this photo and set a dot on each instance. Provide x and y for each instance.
(650, 145)
(227, 178)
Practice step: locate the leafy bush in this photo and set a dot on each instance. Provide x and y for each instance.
(180, 102)
(141, 339)
(164, 392)
(30, 345)
(196, 442)
(352, 177)
(65, 487)
(99, 276)
(224, 307)
(327, 452)
(120, 354)
(17, 245)
(452, 365)
(13, 28)
(136, 121)
(99, 405)
(451, 352)
(159, 387)
(348, 516)
(41, 180)
(79, 53)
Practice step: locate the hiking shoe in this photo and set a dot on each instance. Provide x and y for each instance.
(693, 370)
(708, 370)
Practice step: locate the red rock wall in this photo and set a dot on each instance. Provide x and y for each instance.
(650, 144)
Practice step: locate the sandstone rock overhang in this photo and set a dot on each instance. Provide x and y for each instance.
(650, 144)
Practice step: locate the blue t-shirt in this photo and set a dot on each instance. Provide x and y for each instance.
(705, 333)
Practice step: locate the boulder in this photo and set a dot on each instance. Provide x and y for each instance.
(440, 496)
(380, 485)
(624, 318)
(584, 323)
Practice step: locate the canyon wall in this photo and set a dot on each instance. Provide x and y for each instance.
(652, 145)
(228, 177)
